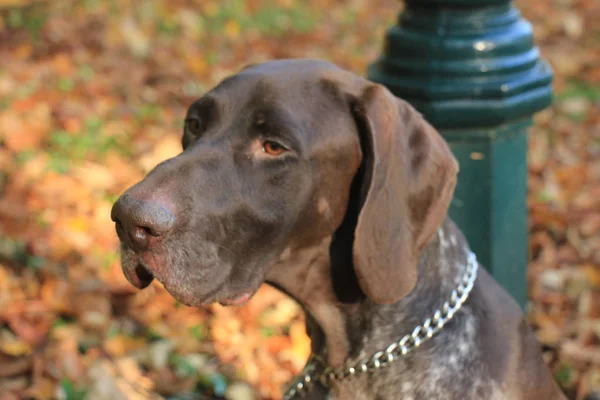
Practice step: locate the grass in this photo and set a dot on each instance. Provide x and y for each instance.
(578, 88)
(66, 147)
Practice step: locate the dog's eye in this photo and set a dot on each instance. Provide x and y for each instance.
(273, 148)
(193, 126)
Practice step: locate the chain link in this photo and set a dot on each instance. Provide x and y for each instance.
(381, 359)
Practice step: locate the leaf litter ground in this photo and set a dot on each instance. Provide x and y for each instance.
(92, 96)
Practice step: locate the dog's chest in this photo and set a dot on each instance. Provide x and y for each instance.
(448, 367)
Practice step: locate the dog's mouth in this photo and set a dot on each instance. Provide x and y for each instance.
(136, 272)
(140, 272)
(141, 277)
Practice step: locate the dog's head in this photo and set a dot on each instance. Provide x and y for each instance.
(281, 156)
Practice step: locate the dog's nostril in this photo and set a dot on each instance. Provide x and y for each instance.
(148, 231)
(140, 235)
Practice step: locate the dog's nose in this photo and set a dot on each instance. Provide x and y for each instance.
(142, 222)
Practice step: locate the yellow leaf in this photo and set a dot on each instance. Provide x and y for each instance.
(168, 147)
(120, 380)
(286, 3)
(135, 37)
(197, 65)
(282, 314)
(95, 176)
(13, 3)
(13, 346)
(78, 224)
(63, 64)
(42, 389)
(75, 234)
(593, 275)
(23, 51)
(232, 29)
(5, 278)
(210, 8)
(300, 343)
(66, 332)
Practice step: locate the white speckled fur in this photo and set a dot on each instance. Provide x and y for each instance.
(450, 366)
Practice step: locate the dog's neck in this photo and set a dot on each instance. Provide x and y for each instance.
(352, 331)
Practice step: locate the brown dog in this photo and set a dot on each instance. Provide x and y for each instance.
(319, 182)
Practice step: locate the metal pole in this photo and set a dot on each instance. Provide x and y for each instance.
(471, 67)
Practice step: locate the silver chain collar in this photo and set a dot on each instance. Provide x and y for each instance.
(419, 335)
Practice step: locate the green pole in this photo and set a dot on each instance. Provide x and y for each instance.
(471, 67)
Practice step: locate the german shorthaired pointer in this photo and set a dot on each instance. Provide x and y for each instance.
(325, 185)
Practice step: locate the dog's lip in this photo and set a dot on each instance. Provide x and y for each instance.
(237, 300)
(141, 271)
(138, 275)
(211, 297)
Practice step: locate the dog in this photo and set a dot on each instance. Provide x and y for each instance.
(323, 184)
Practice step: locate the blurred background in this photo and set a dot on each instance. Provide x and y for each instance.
(93, 94)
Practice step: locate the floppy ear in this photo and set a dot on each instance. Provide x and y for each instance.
(410, 175)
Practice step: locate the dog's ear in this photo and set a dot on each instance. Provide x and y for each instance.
(408, 183)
